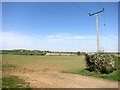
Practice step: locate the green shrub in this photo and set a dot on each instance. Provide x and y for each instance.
(100, 62)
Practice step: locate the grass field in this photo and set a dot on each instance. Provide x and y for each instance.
(63, 62)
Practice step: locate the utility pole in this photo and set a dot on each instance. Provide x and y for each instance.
(97, 13)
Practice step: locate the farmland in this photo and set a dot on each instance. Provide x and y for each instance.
(46, 71)
(64, 62)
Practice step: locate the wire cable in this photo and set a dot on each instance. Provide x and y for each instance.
(76, 5)
(83, 9)
(100, 6)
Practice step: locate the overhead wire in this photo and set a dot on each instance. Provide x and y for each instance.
(83, 9)
(99, 5)
(86, 11)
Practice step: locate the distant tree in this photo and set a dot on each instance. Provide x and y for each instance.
(78, 53)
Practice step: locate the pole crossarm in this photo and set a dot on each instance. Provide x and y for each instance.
(96, 12)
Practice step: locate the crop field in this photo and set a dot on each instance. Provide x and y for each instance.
(63, 62)
(47, 72)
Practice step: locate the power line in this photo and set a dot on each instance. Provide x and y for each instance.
(96, 13)
(99, 5)
(83, 9)
(76, 5)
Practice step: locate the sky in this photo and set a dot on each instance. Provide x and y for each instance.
(59, 26)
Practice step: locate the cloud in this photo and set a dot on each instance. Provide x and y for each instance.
(70, 37)
(57, 42)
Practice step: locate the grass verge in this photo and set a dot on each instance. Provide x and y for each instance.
(14, 82)
(11, 82)
(112, 76)
(85, 72)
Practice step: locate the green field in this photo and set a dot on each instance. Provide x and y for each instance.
(63, 62)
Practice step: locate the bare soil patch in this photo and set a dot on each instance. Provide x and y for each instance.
(51, 77)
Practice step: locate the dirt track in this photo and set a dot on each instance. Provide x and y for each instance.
(49, 77)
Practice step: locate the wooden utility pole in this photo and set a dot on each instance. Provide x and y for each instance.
(97, 32)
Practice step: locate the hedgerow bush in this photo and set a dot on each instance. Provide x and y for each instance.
(100, 62)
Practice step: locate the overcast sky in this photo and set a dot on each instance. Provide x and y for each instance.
(58, 26)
